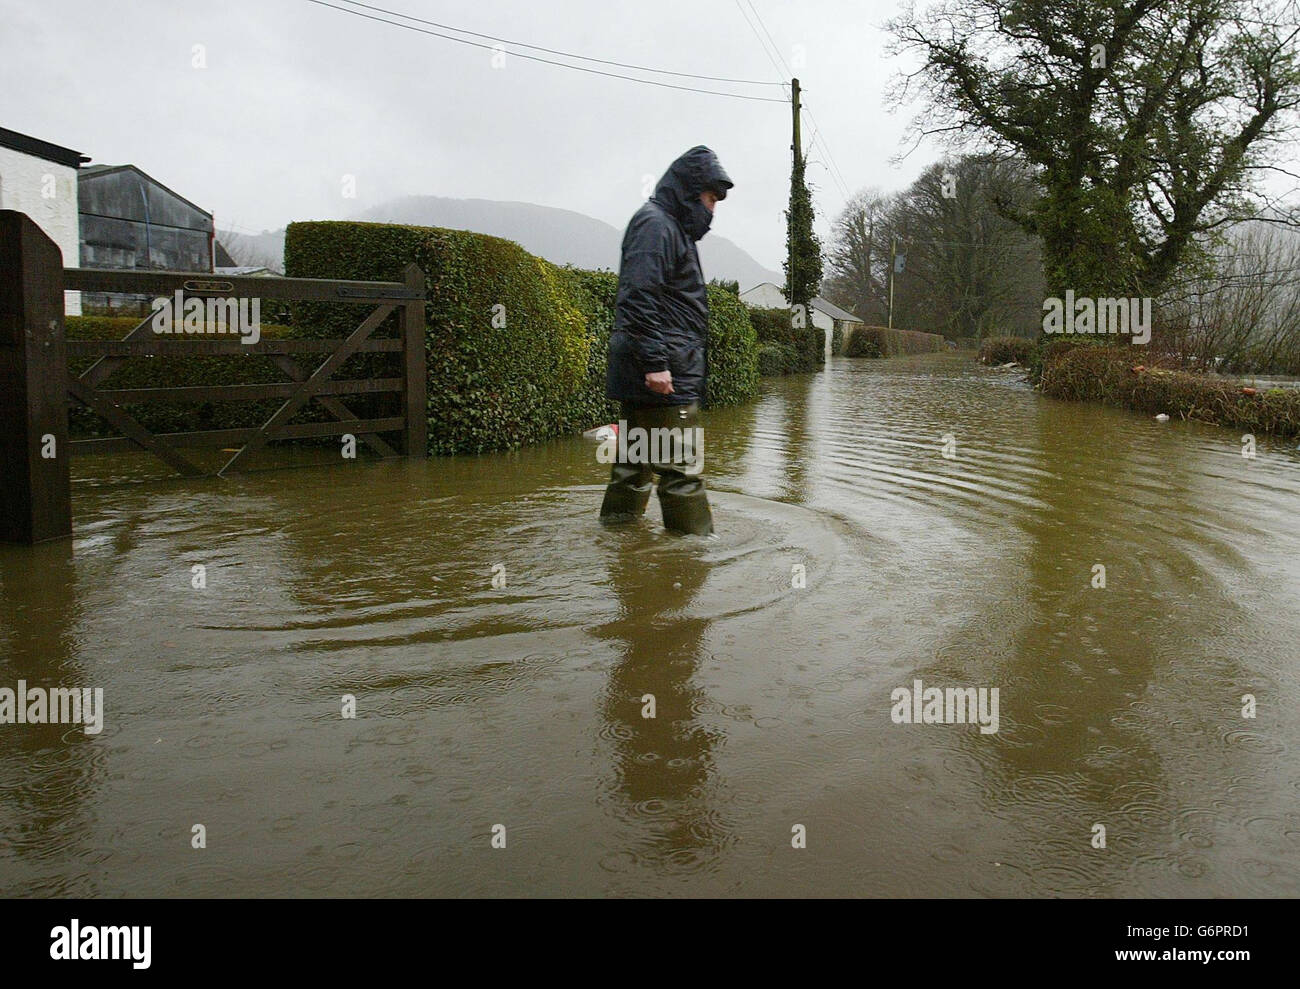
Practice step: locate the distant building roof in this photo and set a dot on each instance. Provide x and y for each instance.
(98, 171)
(37, 148)
(245, 269)
(829, 308)
(834, 311)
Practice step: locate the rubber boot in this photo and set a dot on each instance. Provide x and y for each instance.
(685, 504)
(627, 493)
(682, 497)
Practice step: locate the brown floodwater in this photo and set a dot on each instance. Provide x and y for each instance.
(500, 645)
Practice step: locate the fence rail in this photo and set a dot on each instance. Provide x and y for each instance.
(202, 284)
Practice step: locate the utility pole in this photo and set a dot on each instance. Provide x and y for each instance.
(798, 151)
(893, 267)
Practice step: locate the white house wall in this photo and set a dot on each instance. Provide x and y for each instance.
(769, 296)
(824, 322)
(52, 205)
(764, 296)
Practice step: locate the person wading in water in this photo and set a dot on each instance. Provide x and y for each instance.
(658, 351)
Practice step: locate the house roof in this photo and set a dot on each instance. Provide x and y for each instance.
(834, 311)
(244, 269)
(818, 303)
(37, 148)
(96, 171)
(762, 285)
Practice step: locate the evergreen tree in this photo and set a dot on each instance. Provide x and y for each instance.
(802, 245)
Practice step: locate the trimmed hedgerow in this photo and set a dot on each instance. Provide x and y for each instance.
(507, 346)
(862, 344)
(733, 350)
(516, 345)
(596, 292)
(891, 343)
(799, 348)
(1006, 350)
(1121, 376)
(776, 359)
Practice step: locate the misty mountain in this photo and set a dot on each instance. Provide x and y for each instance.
(265, 250)
(559, 235)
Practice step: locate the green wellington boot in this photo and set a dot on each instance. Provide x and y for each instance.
(685, 504)
(682, 498)
(627, 493)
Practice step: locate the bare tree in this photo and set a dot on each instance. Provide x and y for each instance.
(968, 270)
(858, 258)
(1241, 311)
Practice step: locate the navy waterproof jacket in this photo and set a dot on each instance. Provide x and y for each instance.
(661, 315)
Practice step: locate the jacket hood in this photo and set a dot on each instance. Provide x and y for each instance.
(692, 173)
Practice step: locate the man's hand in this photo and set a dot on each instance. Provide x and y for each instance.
(660, 382)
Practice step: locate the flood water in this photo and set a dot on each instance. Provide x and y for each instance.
(520, 703)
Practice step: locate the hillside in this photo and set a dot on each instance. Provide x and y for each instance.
(559, 235)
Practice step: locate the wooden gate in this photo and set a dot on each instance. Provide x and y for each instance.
(33, 363)
(405, 297)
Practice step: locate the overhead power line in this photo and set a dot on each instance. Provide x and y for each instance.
(839, 176)
(547, 61)
(783, 73)
(553, 51)
(769, 37)
(769, 46)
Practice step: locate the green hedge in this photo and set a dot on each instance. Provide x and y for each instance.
(776, 359)
(1117, 375)
(596, 292)
(862, 345)
(542, 373)
(880, 341)
(784, 348)
(489, 386)
(733, 350)
(1007, 350)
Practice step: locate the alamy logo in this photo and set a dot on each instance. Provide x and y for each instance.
(56, 706)
(945, 706)
(1086, 315)
(221, 316)
(92, 943)
(682, 446)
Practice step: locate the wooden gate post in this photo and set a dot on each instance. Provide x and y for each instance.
(35, 481)
(415, 393)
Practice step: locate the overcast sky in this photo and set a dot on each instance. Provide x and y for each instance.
(295, 96)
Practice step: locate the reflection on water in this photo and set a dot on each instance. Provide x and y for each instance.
(663, 768)
(503, 648)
